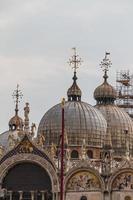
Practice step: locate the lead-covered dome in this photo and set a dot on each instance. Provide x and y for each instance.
(120, 126)
(82, 121)
(105, 92)
(119, 123)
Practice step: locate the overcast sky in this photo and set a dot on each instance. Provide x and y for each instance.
(36, 37)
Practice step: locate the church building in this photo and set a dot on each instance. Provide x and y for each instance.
(97, 162)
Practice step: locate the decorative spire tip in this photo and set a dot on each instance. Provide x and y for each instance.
(17, 95)
(105, 64)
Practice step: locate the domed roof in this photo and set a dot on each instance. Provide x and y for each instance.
(82, 121)
(105, 92)
(119, 125)
(15, 123)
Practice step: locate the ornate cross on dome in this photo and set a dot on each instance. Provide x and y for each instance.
(75, 60)
(17, 95)
(105, 64)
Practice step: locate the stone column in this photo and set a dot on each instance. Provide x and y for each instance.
(20, 195)
(32, 195)
(43, 194)
(10, 195)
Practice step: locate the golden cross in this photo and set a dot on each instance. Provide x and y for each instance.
(75, 60)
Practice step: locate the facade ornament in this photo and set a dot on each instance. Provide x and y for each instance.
(33, 129)
(53, 150)
(123, 181)
(26, 117)
(83, 150)
(67, 151)
(11, 141)
(41, 140)
(26, 147)
(83, 181)
(106, 162)
(1, 150)
(127, 145)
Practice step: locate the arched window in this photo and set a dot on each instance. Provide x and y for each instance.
(74, 154)
(83, 198)
(127, 198)
(90, 154)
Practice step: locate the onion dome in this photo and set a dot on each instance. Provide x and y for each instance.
(82, 121)
(16, 123)
(74, 92)
(10, 137)
(119, 124)
(105, 93)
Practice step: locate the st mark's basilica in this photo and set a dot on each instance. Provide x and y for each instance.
(98, 148)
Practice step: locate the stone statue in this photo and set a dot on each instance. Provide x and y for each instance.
(33, 128)
(106, 166)
(26, 111)
(83, 150)
(26, 115)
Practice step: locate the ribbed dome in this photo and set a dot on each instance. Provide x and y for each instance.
(119, 125)
(82, 121)
(105, 93)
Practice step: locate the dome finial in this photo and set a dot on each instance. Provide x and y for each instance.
(74, 92)
(105, 64)
(17, 95)
(16, 123)
(105, 93)
(75, 60)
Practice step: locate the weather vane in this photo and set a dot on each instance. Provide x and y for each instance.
(106, 63)
(75, 60)
(17, 95)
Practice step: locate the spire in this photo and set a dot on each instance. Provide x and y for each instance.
(74, 93)
(105, 64)
(17, 95)
(16, 123)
